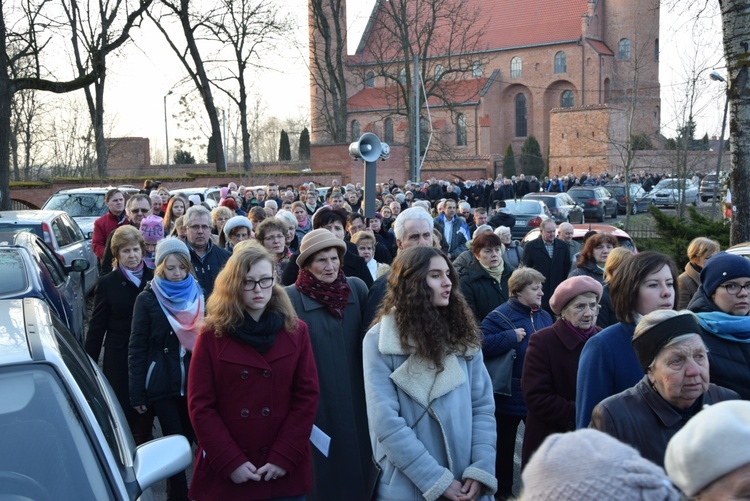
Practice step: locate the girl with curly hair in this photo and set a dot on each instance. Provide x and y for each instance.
(429, 397)
(252, 387)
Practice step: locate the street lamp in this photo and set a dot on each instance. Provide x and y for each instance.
(718, 78)
(166, 130)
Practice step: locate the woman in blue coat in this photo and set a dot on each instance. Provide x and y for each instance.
(508, 327)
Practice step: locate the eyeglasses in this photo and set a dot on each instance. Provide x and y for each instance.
(198, 227)
(272, 238)
(264, 283)
(140, 211)
(734, 289)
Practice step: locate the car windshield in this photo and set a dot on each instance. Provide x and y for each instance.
(47, 452)
(587, 194)
(673, 184)
(617, 190)
(548, 201)
(78, 204)
(13, 271)
(19, 227)
(523, 207)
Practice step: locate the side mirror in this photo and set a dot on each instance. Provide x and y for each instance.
(161, 458)
(78, 265)
(89, 235)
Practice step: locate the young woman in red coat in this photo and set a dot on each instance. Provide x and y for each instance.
(252, 388)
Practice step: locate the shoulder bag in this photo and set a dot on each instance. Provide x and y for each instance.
(501, 368)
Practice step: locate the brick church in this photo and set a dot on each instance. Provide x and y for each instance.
(569, 72)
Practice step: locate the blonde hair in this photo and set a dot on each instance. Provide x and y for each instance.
(184, 260)
(523, 277)
(220, 211)
(616, 258)
(225, 307)
(363, 237)
(122, 236)
(702, 247)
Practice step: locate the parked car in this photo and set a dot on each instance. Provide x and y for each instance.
(85, 205)
(211, 195)
(62, 432)
(529, 214)
(30, 269)
(61, 233)
(669, 192)
(742, 249)
(580, 230)
(561, 205)
(639, 199)
(707, 186)
(597, 202)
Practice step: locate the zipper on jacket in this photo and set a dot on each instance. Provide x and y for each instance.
(182, 371)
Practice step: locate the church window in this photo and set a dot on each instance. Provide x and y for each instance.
(402, 76)
(515, 67)
(438, 72)
(370, 80)
(476, 69)
(461, 130)
(566, 99)
(561, 62)
(623, 49)
(388, 132)
(355, 130)
(520, 115)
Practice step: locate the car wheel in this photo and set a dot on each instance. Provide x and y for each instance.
(704, 199)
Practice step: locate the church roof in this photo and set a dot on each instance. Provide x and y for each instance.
(510, 24)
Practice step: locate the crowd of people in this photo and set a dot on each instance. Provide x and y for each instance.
(312, 353)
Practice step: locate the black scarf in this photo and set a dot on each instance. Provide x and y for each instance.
(260, 335)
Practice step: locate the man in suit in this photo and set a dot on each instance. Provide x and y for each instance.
(550, 256)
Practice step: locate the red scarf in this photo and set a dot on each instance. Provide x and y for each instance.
(333, 296)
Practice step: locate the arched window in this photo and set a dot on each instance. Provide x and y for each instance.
(606, 90)
(515, 67)
(623, 49)
(424, 134)
(402, 76)
(656, 50)
(461, 130)
(438, 72)
(355, 130)
(476, 69)
(370, 79)
(561, 62)
(388, 131)
(520, 115)
(566, 99)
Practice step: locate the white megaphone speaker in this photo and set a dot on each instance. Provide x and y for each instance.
(367, 147)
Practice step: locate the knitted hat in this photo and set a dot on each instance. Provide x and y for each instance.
(152, 229)
(721, 268)
(170, 246)
(572, 287)
(712, 444)
(400, 197)
(318, 240)
(236, 222)
(590, 465)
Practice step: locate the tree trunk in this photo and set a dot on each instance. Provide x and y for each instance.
(244, 128)
(6, 96)
(735, 16)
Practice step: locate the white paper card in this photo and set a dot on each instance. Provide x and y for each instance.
(320, 440)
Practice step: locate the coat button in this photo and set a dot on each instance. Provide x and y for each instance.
(264, 451)
(266, 373)
(244, 413)
(265, 411)
(244, 374)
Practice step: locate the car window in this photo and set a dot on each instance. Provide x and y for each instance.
(78, 204)
(567, 200)
(42, 437)
(587, 194)
(523, 206)
(62, 237)
(75, 231)
(214, 195)
(51, 264)
(13, 271)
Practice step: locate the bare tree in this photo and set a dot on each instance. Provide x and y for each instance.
(246, 27)
(27, 134)
(445, 35)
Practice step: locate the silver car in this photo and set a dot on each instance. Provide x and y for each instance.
(669, 192)
(60, 232)
(62, 432)
(85, 205)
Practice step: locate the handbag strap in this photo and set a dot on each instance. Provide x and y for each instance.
(504, 319)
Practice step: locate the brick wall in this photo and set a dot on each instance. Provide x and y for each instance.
(127, 153)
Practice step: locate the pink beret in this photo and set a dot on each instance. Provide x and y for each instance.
(572, 287)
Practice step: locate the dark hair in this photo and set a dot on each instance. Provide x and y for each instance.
(483, 240)
(623, 290)
(429, 331)
(139, 196)
(114, 191)
(256, 215)
(353, 216)
(327, 215)
(587, 254)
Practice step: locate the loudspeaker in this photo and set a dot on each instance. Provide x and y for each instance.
(367, 147)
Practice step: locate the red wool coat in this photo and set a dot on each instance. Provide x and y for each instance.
(245, 406)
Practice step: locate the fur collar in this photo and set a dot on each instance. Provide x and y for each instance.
(417, 376)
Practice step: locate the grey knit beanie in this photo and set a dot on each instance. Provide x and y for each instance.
(170, 246)
(590, 465)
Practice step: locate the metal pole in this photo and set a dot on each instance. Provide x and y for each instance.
(166, 129)
(370, 177)
(417, 119)
(718, 161)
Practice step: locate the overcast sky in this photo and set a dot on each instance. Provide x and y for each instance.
(139, 79)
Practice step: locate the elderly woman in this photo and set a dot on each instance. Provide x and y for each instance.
(722, 303)
(608, 363)
(112, 317)
(509, 327)
(365, 242)
(593, 257)
(219, 216)
(548, 381)
(236, 230)
(675, 388)
(290, 236)
(332, 306)
(271, 233)
(429, 397)
(615, 260)
(513, 250)
(484, 282)
(699, 250)
(304, 220)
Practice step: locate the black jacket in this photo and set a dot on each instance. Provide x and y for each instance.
(641, 418)
(589, 269)
(481, 291)
(555, 270)
(156, 368)
(208, 267)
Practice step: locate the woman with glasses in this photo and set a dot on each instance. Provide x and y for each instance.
(332, 305)
(271, 233)
(548, 379)
(252, 388)
(722, 304)
(644, 283)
